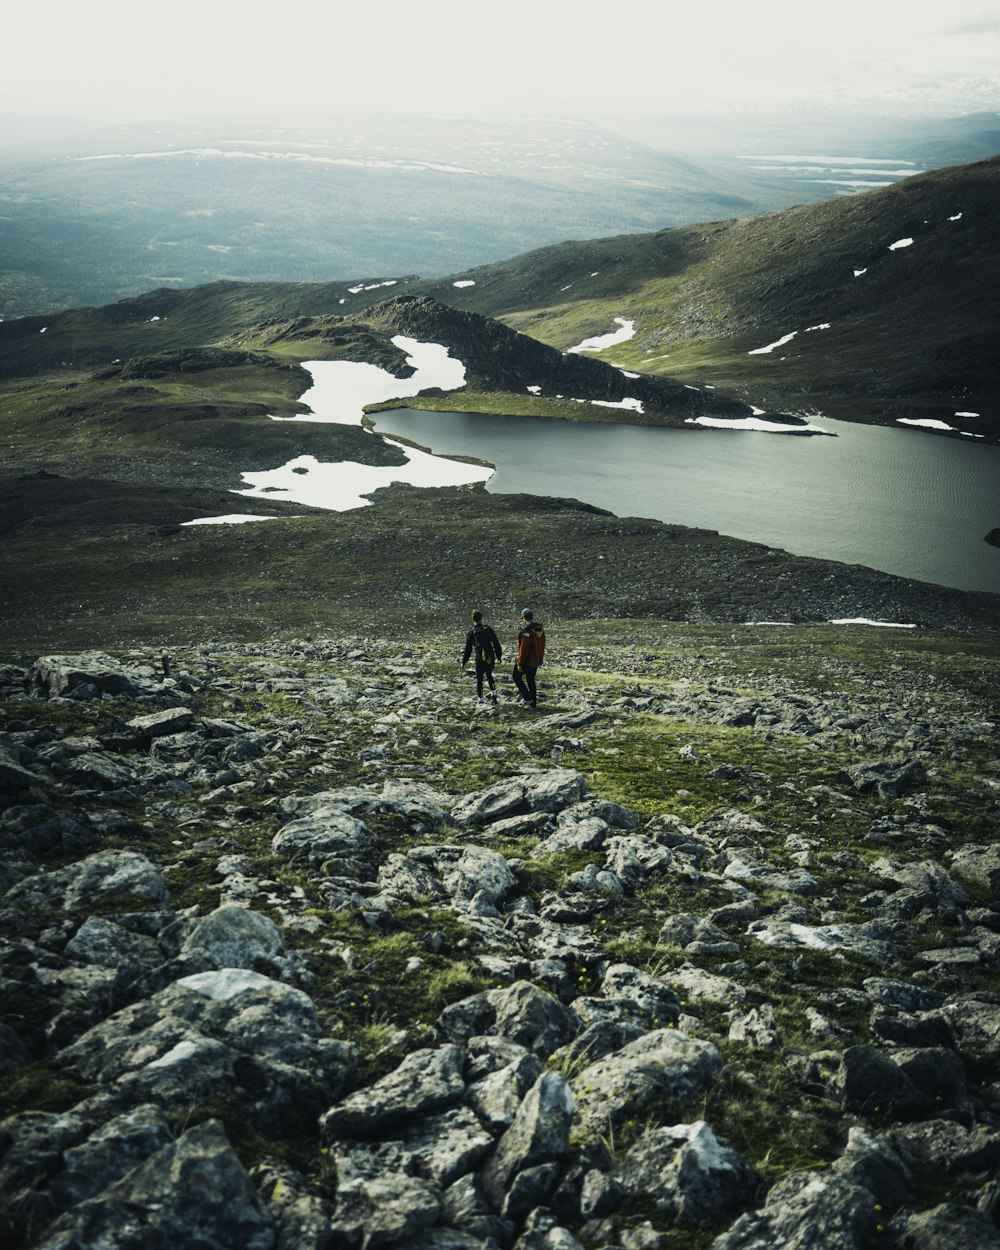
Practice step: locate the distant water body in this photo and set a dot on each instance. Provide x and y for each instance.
(899, 500)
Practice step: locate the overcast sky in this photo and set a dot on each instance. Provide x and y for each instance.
(74, 65)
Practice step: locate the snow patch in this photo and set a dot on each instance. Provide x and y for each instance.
(863, 620)
(823, 325)
(928, 423)
(859, 272)
(230, 518)
(753, 423)
(763, 351)
(899, 244)
(464, 282)
(957, 217)
(600, 341)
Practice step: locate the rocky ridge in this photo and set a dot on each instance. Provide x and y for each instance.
(304, 947)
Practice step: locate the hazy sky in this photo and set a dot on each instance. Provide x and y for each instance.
(108, 61)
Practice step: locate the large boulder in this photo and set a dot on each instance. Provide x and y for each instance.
(806, 1211)
(87, 675)
(107, 877)
(538, 1136)
(687, 1173)
(426, 1080)
(215, 1033)
(192, 1192)
(542, 792)
(663, 1064)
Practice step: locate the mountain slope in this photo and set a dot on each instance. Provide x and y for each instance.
(908, 326)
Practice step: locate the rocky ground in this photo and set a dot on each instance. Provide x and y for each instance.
(304, 947)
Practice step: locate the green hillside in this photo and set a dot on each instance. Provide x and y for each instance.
(913, 334)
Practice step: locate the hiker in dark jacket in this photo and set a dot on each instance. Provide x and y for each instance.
(485, 645)
(530, 649)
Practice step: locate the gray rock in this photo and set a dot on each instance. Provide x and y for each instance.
(332, 837)
(192, 1192)
(109, 1153)
(949, 1147)
(168, 720)
(910, 998)
(868, 941)
(384, 1210)
(61, 675)
(871, 1083)
(426, 1080)
(496, 1096)
(14, 775)
(229, 1031)
(758, 1029)
(520, 1013)
(96, 770)
(948, 1226)
(235, 937)
(889, 779)
(633, 857)
(878, 1165)
(402, 877)
(663, 1064)
(688, 1174)
(658, 1003)
(107, 877)
(766, 877)
(13, 1054)
(545, 792)
(100, 941)
(301, 1217)
(467, 871)
(806, 1211)
(975, 1023)
(539, 1135)
(979, 865)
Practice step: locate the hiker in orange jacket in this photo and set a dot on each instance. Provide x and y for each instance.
(530, 650)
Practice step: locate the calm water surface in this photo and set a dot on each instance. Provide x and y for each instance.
(900, 500)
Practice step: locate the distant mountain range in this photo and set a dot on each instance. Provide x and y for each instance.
(105, 216)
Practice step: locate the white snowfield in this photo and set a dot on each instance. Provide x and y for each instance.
(764, 351)
(599, 342)
(754, 423)
(339, 392)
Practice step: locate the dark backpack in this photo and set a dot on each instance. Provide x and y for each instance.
(483, 644)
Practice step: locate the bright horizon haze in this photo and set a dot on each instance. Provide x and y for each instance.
(73, 67)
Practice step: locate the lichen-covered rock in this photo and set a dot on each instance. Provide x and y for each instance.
(426, 1080)
(230, 1031)
(107, 877)
(948, 1226)
(235, 937)
(688, 1174)
(663, 1064)
(545, 792)
(806, 1211)
(383, 1210)
(191, 1192)
(887, 778)
(88, 675)
(538, 1136)
(521, 1013)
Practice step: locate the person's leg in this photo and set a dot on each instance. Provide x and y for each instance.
(489, 678)
(519, 682)
(529, 681)
(480, 669)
